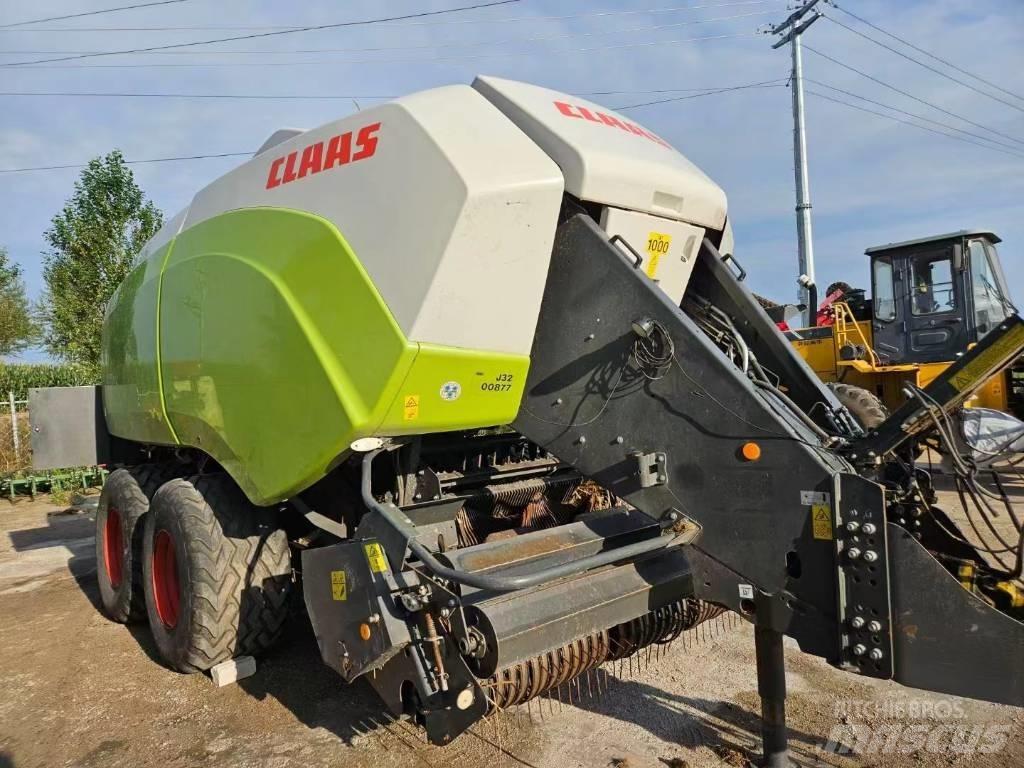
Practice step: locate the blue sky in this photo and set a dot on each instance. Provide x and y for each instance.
(872, 180)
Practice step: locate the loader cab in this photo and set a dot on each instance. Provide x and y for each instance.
(933, 297)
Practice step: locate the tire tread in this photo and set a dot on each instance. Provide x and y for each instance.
(240, 563)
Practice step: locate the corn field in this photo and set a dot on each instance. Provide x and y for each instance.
(20, 377)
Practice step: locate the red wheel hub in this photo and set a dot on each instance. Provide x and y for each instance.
(166, 591)
(113, 548)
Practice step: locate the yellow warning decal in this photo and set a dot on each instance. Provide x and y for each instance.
(658, 244)
(339, 589)
(410, 407)
(821, 521)
(1002, 349)
(375, 555)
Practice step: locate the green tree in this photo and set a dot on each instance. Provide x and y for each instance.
(94, 242)
(18, 329)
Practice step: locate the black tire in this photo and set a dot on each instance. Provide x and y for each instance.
(123, 504)
(217, 573)
(866, 408)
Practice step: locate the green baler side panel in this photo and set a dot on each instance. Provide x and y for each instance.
(277, 352)
(131, 382)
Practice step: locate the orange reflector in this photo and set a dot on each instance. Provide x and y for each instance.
(751, 451)
(364, 631)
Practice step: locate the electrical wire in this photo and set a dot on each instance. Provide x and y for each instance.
(969, 471)
(432, 22)
(966, 480)
(814, 93)
(910, 95)
(910, 114)
(706, 90)
(128, 162)
(89, 13)
(930, 55)
(929, 67)
(227, 96)
(252, 35)
(247, 154)
(450, 45)
(654, 351)
(431, 60)
(777, 83)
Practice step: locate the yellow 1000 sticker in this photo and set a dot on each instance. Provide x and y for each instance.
(658, 244)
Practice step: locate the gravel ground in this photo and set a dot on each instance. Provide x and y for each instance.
(79, 690)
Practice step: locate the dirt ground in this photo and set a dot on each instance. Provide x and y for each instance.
(79, 690)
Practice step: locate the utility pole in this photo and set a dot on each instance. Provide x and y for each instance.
(791, 29)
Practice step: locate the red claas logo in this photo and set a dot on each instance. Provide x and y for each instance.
(610, 121)
(324, 155)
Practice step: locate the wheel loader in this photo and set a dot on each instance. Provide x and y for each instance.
(932, 299)
(476, 373)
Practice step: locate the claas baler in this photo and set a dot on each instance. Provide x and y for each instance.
(476, 372)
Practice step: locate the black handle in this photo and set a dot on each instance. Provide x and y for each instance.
(638, 259)
(742, 272)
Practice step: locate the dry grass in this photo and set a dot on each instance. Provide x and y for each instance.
(10, 461)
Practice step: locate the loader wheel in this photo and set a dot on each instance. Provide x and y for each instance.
(866, 408)
(124, 502)
(217, 573)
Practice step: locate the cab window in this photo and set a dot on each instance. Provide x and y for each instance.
(989, 304)
(884, 294)
(931, 285)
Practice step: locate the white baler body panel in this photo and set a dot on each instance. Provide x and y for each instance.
(668, 248)
(453, 216)
(606, 157)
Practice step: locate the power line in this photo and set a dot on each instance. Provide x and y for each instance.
(337, 25)
(776, 83)
(431, 60)
(126, 162)
(907, 122)
(929, 67)
(930, 55)
(247, 154)
(90, 13)
(448, 45)
(445, 22)
(244, 96)
(911, 114)
(912, 96)
(316, 96)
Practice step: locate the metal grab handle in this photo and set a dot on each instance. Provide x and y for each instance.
(500, 583)
(637, 258)
(742, 272)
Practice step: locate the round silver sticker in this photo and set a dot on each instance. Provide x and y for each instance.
(451, 390)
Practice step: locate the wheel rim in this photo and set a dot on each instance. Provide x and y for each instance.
(112, 547)
(166, 591)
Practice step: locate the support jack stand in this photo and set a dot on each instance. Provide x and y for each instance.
(771, 686)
